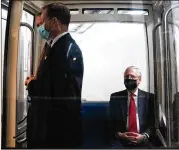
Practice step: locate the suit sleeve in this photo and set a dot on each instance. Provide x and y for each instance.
(151, 117)
(62, 81)
(75, 59)
(31, 87)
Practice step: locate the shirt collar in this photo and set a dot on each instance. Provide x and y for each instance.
(57, 38)
(49, 42)
(135, 93)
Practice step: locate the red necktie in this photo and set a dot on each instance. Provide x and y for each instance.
(132, 115)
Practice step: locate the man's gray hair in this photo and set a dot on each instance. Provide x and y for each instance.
(139, 74)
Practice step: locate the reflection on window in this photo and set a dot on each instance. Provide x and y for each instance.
(176, 37)
(3, 13)
(133, 12)
(27, 18)
(80, 28)
(24, 56)
(3, 23)
(3, 33)
(98, 11)
(3, 19)
(108, 49)
(74, 11)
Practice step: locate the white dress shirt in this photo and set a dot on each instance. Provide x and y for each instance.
(49, 42)
(57, 38)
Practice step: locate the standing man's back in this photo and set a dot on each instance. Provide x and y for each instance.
(54, 118)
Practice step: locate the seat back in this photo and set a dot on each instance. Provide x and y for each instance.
(95, 124)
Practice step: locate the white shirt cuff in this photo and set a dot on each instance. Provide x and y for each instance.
(146, 135)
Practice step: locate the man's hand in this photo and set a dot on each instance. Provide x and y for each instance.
(126, 136)
(137, 138)
(134, 138)
(28, 79)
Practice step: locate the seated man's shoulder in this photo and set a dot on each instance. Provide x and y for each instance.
(146, 93)
(118, 94)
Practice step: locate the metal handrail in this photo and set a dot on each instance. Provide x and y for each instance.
(22, 141)
(22, 120)
(33, 43)
(161, 138)
(15, 137)
(168, 75)
(22, 127)
(155, 81)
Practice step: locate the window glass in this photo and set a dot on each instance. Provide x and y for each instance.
(74, 11)
(171, 110)
(24, 62)
(3, 32)
(4, 13)
(3, 20)
(98, 11)
(133, 12)
(176, 37)
(27, 18)
(175, 14)
(3, 23)
(108, 49)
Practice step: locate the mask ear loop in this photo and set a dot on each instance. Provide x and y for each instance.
(49, 30)
(57, 24)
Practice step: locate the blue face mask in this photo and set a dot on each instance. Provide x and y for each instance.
(43, 33)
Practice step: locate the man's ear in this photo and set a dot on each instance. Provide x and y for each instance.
(139, 80)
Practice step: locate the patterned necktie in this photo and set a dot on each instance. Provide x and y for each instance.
(132, 115)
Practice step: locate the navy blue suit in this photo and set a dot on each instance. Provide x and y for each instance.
(119, 111)
(54, 116)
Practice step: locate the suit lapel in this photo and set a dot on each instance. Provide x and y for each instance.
(141, 105)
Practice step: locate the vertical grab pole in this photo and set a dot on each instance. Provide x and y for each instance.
(33, 44)
(167, 62)
(16, 11)
(156, 80)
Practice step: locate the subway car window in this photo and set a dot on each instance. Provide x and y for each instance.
(27, 18)
(24, 63)
(4, 13)
(108, 49)
(25, 45)
(174, 36)
(3, 23)
(176, 41)
(112, 36)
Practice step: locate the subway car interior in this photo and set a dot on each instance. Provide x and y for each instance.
(112, 36)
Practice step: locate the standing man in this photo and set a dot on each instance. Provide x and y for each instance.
(54, 118)
(132, 114)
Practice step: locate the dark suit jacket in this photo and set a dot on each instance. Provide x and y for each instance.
(119, 110)
(54, 118)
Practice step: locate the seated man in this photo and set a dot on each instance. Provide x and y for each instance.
(132, 117)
